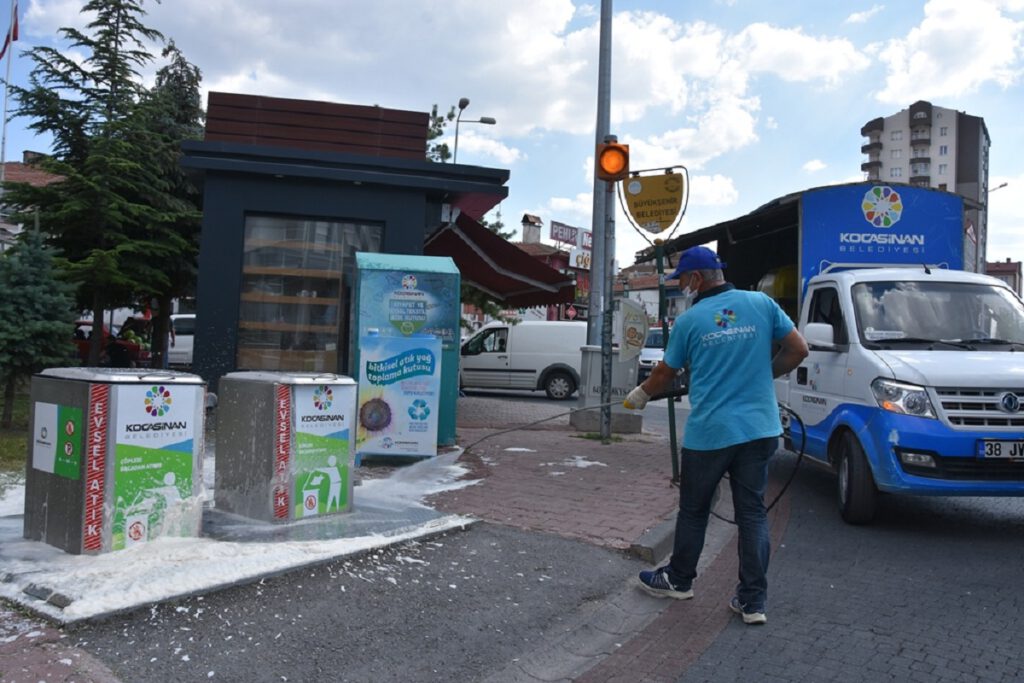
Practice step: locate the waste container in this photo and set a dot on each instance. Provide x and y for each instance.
(624, 378)
(284, 445)
(115, 457)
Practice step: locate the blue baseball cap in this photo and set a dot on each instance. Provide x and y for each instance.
(697, 258)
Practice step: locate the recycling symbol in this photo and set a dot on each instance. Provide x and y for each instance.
(419, 410)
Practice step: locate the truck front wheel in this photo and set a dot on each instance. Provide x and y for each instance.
(857, 492)
(559, 385)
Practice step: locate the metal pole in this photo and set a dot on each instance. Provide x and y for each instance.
(608, 314)
(596, 304)
(659, 254)
(7, 79)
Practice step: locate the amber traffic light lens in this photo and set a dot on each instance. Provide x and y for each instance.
(612, 161)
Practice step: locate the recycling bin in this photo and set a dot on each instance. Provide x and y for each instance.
(284, 445)
(114, 458)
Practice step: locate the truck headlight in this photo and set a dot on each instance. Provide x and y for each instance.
(906, 399)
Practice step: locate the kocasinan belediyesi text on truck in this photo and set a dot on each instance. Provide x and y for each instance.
(915, 379)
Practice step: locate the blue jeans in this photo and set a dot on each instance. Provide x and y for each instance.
(700, 472)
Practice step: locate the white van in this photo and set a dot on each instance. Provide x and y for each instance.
(184, 326)
(532, 354)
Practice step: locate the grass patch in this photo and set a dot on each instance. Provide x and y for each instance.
(13, 441)
(594, 436)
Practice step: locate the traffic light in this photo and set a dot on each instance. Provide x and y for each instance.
(612, 161)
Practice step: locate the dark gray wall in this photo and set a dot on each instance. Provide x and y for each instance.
(230, 196)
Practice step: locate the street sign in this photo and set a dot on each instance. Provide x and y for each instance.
(580, 259)
(633, 333)
(654, 201)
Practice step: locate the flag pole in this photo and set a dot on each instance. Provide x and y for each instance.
(9, 44)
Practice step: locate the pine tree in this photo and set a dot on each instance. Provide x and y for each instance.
(438, 151)
(174, 113)
(101, 212)
(36, 316)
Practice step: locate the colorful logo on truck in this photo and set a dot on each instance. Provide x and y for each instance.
(882, 206)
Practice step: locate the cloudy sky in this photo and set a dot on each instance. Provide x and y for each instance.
(756, 99)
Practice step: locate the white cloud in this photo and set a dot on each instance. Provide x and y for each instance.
(814, 165)
(473, 145)
(712, 190)
(1006, 219)
(862, 17)
(956, 49)
(793, 56)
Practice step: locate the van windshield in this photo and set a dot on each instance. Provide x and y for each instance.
(933, 311)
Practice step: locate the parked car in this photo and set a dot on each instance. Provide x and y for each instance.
(653, 352)
(532, 355)
(184, 326)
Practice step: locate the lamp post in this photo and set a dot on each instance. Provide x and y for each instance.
(487, 120)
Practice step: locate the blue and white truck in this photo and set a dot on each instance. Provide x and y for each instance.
(915, 379)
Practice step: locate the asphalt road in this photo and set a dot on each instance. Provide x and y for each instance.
(448, 609)
(930, 592)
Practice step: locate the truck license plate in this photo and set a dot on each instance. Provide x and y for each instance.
(1000, 449)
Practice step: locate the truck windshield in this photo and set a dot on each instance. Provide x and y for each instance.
(937, 311)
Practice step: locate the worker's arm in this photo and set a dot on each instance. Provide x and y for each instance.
(660, 381)
(793, 351)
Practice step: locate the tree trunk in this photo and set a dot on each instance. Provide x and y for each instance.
(97, 342)
(161, 332)
(8, 416)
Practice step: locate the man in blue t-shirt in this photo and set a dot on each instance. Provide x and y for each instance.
(725, 339)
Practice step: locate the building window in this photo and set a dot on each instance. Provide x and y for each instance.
(896, 172)
(942, 186)
(943, 130)
(896, 135)
(294, 301)
(943, 150)
(896, 153)
(942, 169)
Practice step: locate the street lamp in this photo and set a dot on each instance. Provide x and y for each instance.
(463, 103)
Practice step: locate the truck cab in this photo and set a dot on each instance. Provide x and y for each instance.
(914, 384)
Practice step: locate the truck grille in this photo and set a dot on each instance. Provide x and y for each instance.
(973, 408)
(969, 469)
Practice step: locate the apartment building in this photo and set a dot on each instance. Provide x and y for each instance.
(931, 146)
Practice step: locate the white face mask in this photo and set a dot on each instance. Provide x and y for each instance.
(689, 292)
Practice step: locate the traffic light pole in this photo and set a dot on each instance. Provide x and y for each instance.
(599, 324)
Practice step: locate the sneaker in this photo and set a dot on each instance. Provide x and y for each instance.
(658, 584)
(748, 617)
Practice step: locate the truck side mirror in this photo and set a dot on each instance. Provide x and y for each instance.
(820, 336)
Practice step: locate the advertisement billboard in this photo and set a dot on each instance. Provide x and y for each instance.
(875, 223)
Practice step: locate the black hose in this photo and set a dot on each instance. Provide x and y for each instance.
(796, 466)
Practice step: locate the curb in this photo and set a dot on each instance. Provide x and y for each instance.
(655, 543)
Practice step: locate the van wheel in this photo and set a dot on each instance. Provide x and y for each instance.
(559, 385)
(857, 492)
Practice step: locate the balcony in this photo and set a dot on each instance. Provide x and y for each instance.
(869, 166)
(918, 140)
(920, 160)
(873, 125)
(922, 180)
(871, 147)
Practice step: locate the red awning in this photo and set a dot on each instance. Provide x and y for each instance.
(506, 272)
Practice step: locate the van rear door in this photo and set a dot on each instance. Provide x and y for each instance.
(485, 359)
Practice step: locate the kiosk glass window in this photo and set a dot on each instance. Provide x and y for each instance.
(296, 274)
